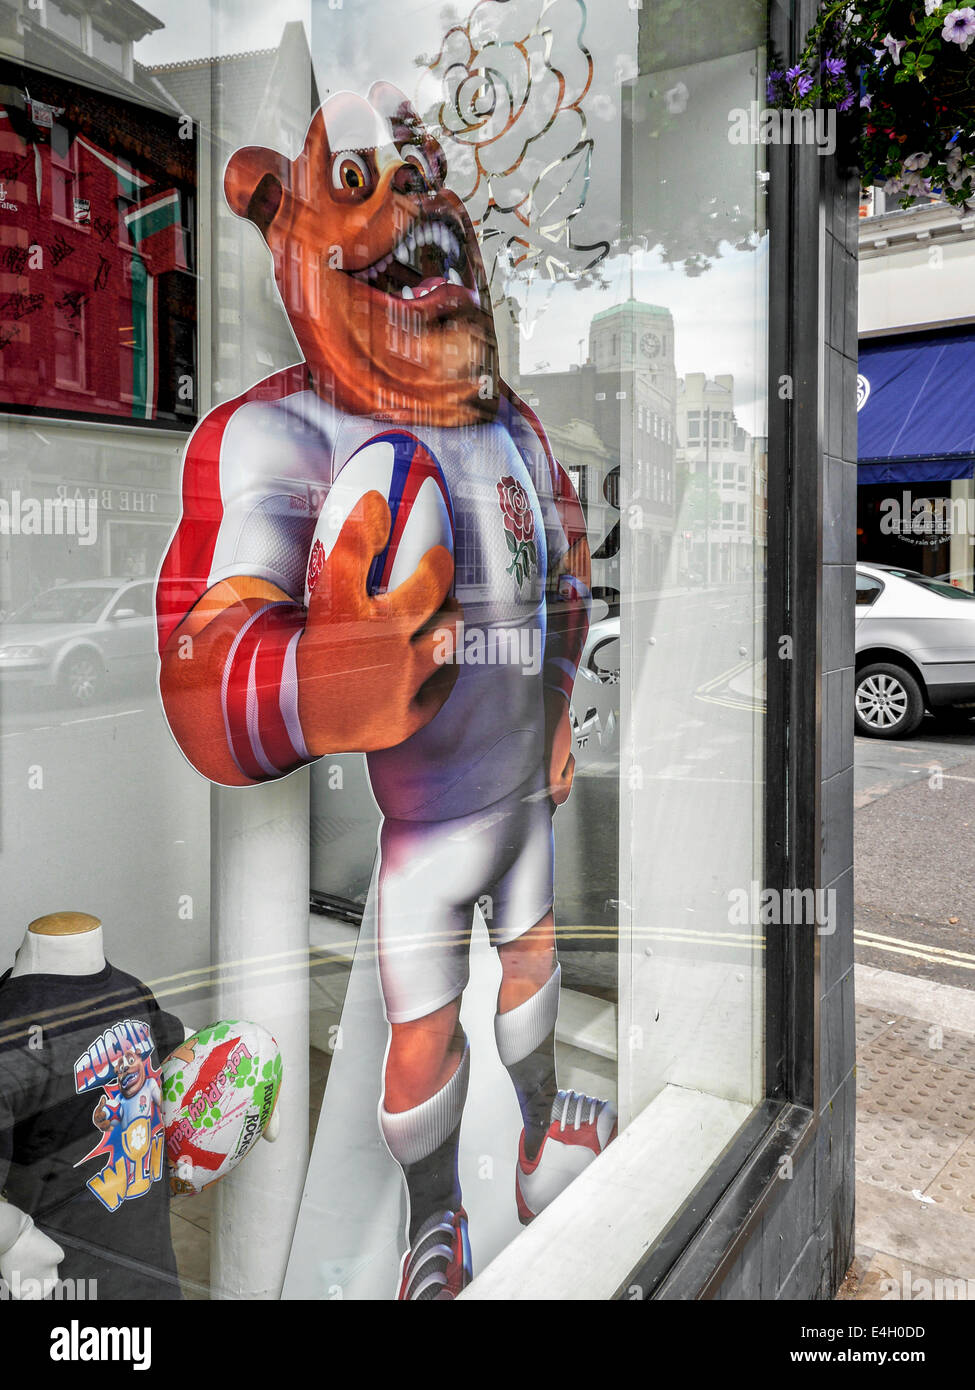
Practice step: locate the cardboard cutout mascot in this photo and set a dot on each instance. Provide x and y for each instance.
(285, 636)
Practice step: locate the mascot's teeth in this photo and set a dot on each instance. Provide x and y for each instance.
(402, 254)
(453, 277)
(407, 292)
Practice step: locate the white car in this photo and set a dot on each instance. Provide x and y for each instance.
(915, 650)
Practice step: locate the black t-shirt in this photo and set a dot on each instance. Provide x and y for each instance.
(73, 1047)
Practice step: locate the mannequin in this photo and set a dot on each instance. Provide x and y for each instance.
(60, 943)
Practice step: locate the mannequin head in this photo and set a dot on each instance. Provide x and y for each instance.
(61, 943)
(64, 924)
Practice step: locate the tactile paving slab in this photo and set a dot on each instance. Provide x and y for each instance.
(871, 1023)
(911, 1037)
(913, 1116)
(954, 1186)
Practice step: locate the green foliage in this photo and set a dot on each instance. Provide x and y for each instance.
(902, 75)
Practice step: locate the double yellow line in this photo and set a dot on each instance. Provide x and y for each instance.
(933, 955)
(703, 692)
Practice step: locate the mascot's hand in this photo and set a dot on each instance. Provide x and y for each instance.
(559, 761)
(368, 677)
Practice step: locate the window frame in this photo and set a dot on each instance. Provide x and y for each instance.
(707, 1234)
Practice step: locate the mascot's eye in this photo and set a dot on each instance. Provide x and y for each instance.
(351, 175)
(418, 160)
(429, 160)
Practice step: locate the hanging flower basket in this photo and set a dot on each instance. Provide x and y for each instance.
(901, 75)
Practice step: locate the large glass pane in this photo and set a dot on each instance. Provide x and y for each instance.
(512, 274)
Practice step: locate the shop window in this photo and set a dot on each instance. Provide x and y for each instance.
(662, 987)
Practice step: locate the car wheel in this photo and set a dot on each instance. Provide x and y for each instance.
(888, 702)
(82, 678)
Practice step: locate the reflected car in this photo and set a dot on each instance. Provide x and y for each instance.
(595, 706)
(915, 650)
(76, 638)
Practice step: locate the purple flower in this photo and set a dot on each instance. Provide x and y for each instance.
(833, 67)
(893, 47)
(866, 102)
(772, 81)
(803, 80)
(960, 27)
(847, 101)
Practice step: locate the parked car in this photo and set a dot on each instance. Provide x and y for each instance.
(76, 637)
(959, 579)
(595, 708)
(915, 650)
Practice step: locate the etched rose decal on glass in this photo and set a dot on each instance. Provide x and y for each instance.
(513, 78)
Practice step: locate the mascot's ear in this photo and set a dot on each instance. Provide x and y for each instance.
(255, 183)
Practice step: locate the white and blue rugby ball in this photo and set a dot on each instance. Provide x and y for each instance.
(401, 468)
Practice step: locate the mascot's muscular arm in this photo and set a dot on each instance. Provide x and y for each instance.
(253, 686)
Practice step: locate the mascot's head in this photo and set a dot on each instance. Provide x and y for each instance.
(130, 1072)
(377, 263)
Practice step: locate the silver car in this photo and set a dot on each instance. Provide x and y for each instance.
(75, 637)
(915, 650)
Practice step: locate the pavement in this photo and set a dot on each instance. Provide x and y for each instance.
(915, 989)
(915, 1150)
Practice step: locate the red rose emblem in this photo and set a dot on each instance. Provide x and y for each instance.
(519, 527)
(516, 510)
(316, 563)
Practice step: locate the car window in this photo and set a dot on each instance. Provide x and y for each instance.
(67, 605)
(937, 586)
(138, 598)
(867, 590)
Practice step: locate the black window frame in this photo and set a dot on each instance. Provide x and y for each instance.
(703, 1240)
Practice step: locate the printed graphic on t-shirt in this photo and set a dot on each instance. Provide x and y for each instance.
(128, 1113)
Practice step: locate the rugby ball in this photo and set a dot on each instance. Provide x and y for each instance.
(401, 468)
(219, 1090)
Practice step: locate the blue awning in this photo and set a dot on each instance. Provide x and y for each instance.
(916, 408)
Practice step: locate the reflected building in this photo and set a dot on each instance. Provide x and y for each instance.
(716, 464)
(626, 393)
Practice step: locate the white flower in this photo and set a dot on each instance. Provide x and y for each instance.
(931, 5)
(917, 161)
(959, 27)
(677, 98)
(893, 47)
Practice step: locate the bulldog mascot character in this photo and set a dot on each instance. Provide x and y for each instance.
(272, 656)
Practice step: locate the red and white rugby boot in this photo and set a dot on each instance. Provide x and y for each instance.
(581, 1128)
(438, 1265)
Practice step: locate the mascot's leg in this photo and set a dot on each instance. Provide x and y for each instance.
(425, 916)
(524, 1026)
(564, 1130)
(427, 1070)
